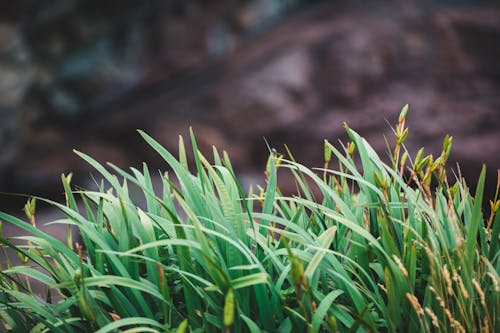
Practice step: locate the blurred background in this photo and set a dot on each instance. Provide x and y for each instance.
(86, 74)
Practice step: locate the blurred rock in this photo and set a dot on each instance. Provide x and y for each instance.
(272, 94)
(207, 67)
(66, 63)
(299, 83)
(15, 78)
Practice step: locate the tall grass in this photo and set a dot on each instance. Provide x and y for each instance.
(364, 247)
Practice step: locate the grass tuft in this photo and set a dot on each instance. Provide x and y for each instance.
(378, 247)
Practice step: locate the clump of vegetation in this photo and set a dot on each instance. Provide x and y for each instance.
(364, 247)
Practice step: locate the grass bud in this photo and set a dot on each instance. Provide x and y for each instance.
(229, 308)
(351, 147)
(418, 157)
(437, 163)
(182, 326)
(29, 210)
(423, 162)
(404, 112)
(447, 144)
(402, 162)
(297, 270)
(380, 180)
(493, 205)
(328, 152)
(402, 137)
(22, 258)
(332, 321)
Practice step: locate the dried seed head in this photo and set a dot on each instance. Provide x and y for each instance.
(114, 316)
(400, 265)
(382, 287)
(459, 326)
(460, 283)
(437, 297)
(416, 305)
(450, 317)
(430, 254)
(432, 315)
(161, 275)
(494, 279)
(447, 279)
(480, 292)
(486, 326)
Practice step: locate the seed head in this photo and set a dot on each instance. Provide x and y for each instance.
(432, 315)
(400, 265)
(416, 305)
(404, 112)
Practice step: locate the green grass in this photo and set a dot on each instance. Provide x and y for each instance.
(363, 247)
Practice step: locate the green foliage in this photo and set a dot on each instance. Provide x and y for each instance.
(371, 248)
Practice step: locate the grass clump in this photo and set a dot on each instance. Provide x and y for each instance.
(365, 247)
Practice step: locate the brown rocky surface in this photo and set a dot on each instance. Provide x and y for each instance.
(297, 84)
